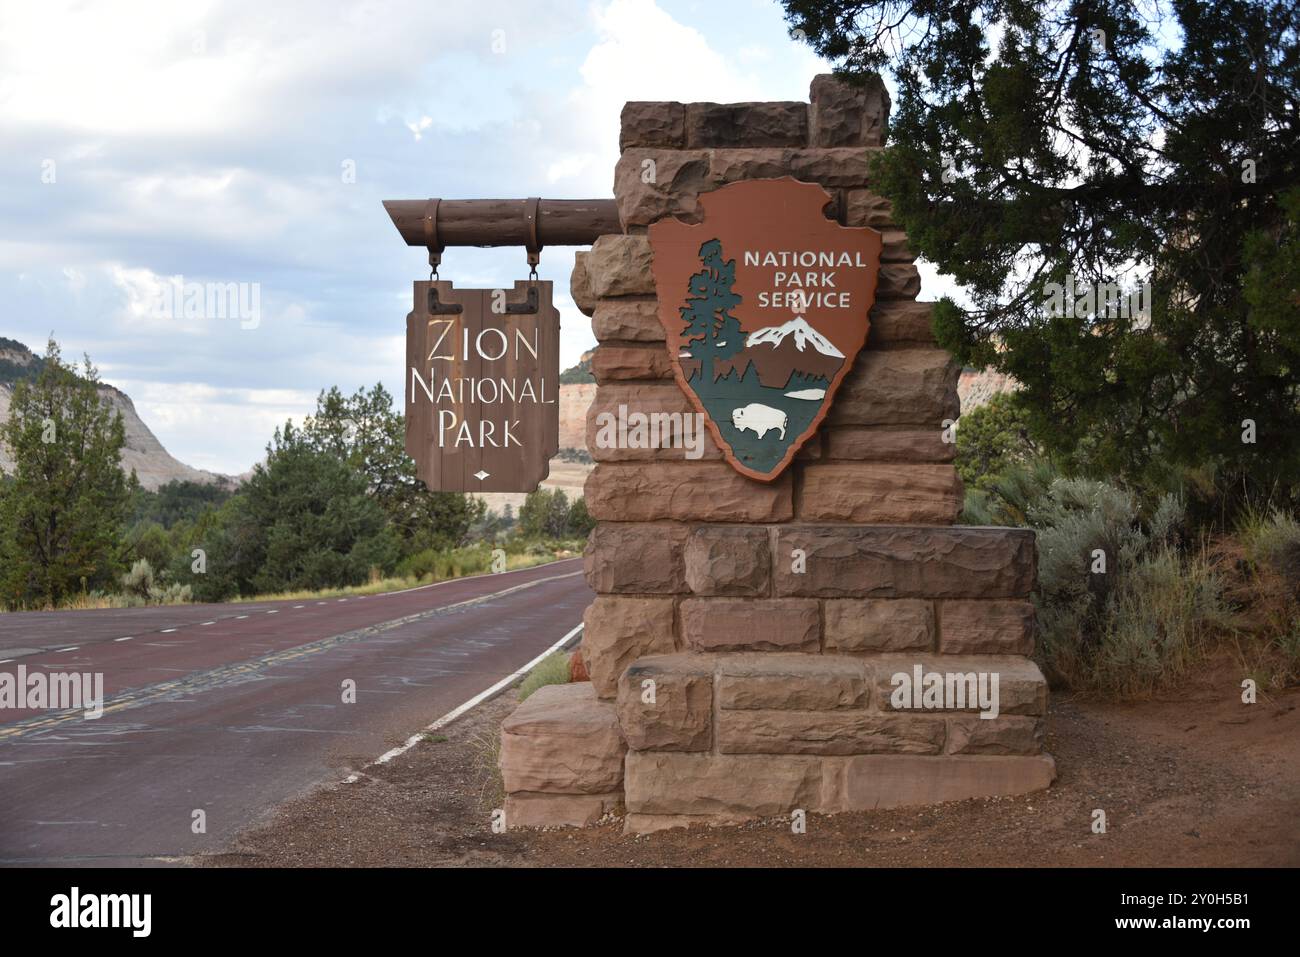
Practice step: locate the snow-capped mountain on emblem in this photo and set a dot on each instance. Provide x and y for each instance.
(803, 334)
(764, 303)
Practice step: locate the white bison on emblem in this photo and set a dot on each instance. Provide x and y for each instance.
(759, 419)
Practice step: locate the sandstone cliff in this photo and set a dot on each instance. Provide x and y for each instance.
(153, 464)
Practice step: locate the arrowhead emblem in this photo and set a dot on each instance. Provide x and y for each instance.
(764, 304)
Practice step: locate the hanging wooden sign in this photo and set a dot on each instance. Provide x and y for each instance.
(765, 305)
(482, 386)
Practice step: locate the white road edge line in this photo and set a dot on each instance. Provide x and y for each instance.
(473, 702)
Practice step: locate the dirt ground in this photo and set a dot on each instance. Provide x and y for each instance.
(1193, 779)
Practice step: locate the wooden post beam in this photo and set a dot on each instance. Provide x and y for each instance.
(531, 223)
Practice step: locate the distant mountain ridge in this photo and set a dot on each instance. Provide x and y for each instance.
(153, 464)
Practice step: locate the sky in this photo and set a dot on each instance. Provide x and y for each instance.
(146, 145)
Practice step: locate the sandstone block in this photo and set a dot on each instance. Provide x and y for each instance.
(634, 558)
(746, 124)
(580, 285)
(561, 739)
(535, 809)
(1007, 734)
(901, 780)
(862, 207)
(728, 560)
(668, 415)
(878, 624)
(651, 123)
(727, 787)
(620, 266)
(666, 789)
(578, 666)
(845, 113)
(897, 281)
(1021, 687)
(688, 492)
(828, 732)
(750, 624)
(665, 703)
(618, 630)
(880, 493)
(791, 682)
(628, 319)
(613, 361)
(888, 445)
(897, 322)
(732, 166)
(652, 183)
(986, 627)
(895, 248)
(898, 387)
(905, 562)
(833, 166)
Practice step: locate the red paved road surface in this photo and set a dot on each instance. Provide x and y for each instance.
(234, 708)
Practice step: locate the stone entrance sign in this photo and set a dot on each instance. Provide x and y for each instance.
(764, 306)
(482, 382)
(806, 629)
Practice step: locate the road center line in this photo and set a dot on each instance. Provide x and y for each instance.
(199, 682)
(456, 712)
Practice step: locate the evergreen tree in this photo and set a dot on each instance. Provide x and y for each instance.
(62, 514)
(365, 432)
(304, 520)
(991, 438)
(711, 331)
(1107, 142)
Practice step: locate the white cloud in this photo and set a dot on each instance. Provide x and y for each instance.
(204, 140)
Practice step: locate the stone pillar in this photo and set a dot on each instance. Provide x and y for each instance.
(745, 633)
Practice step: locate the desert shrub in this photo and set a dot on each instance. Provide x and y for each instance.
(1261, 568)
(140, 587)
(173, 594)
(1145, 619)
(551, 670)
(139, 580)
(438, 564)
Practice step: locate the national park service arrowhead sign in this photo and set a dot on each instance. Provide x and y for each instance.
(765, 305)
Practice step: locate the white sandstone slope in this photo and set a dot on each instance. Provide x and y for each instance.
(153, 464)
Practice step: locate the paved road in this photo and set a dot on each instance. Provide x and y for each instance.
(231, 709)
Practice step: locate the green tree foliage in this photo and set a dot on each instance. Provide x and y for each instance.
(711, 331)
(992, 437)
(365, 433)
(63, 512)
(580, 521)
(547, 513)
(304, 520)
(579, 374)
(1113, 142)
(177, 501)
